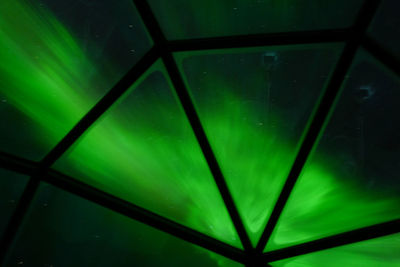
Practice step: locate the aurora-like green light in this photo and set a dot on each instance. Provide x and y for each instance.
(46, 76)
(73, 231)
(254, 105)
(382, 251)
(209, 18)
(42, 69)
(144, 151)
(351, 179)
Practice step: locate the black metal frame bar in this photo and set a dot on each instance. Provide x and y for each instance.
(325, 106)
(353, 37)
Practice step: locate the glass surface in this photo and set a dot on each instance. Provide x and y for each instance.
(64, 230)
(351, 179)
(254, 105)
(144, 151)
(58, 58)
(385, 27)
(382, 251)
(182, 19)
(12, 186)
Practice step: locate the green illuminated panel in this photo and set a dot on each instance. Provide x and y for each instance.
(351, 179)
(385, 27)
(209, 18)
(11, 187)
(57, 59)
(382, 251)
(254, 105)
(144, 151)
(64, 230)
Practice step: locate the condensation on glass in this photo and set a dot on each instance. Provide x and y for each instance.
(254, 105)
(351, 180)
(62, 229)
(58, 58)
(182, 19)
(143, 150)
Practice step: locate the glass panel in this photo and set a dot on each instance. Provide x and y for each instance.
(64, 230)
(58, 59)
(254, 105)
(181, 19)
(382, 251)
(385, 27)
(12, 186)
(351, 179)
(144, 151)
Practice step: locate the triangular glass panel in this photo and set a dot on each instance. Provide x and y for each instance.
(143, 150)
(382, 251)
(385, 27)
(12, 186)
(62, 229)
(58, 58)
(351, 178)
(254, 105)
(182, 19)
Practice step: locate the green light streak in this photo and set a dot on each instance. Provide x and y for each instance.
(144, 151)
(44, 73)
(382, 251)
(204, 18)
(343, 187)
(46, 87)
(254, 115)
(321, 204)
(156, 162)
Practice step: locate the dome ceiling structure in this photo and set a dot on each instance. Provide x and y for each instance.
(199, 133)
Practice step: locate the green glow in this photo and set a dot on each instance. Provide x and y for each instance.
(351, 180)
(47, 79)
(382, 251)
(144, 151)
(46, 74)
(75, 232)
(204, 18)
(255, 114)
(37, 75)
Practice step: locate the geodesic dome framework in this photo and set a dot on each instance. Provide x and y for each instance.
(263, 140)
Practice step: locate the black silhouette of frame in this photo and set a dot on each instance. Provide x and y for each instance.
(353, 38)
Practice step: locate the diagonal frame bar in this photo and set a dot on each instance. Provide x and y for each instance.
(354, 38)
(158, 37)
(358, 235)
(325, 106)
(43, 166)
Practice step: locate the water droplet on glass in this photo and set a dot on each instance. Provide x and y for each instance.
(133, 50)
(4, 100)
(130, 26)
